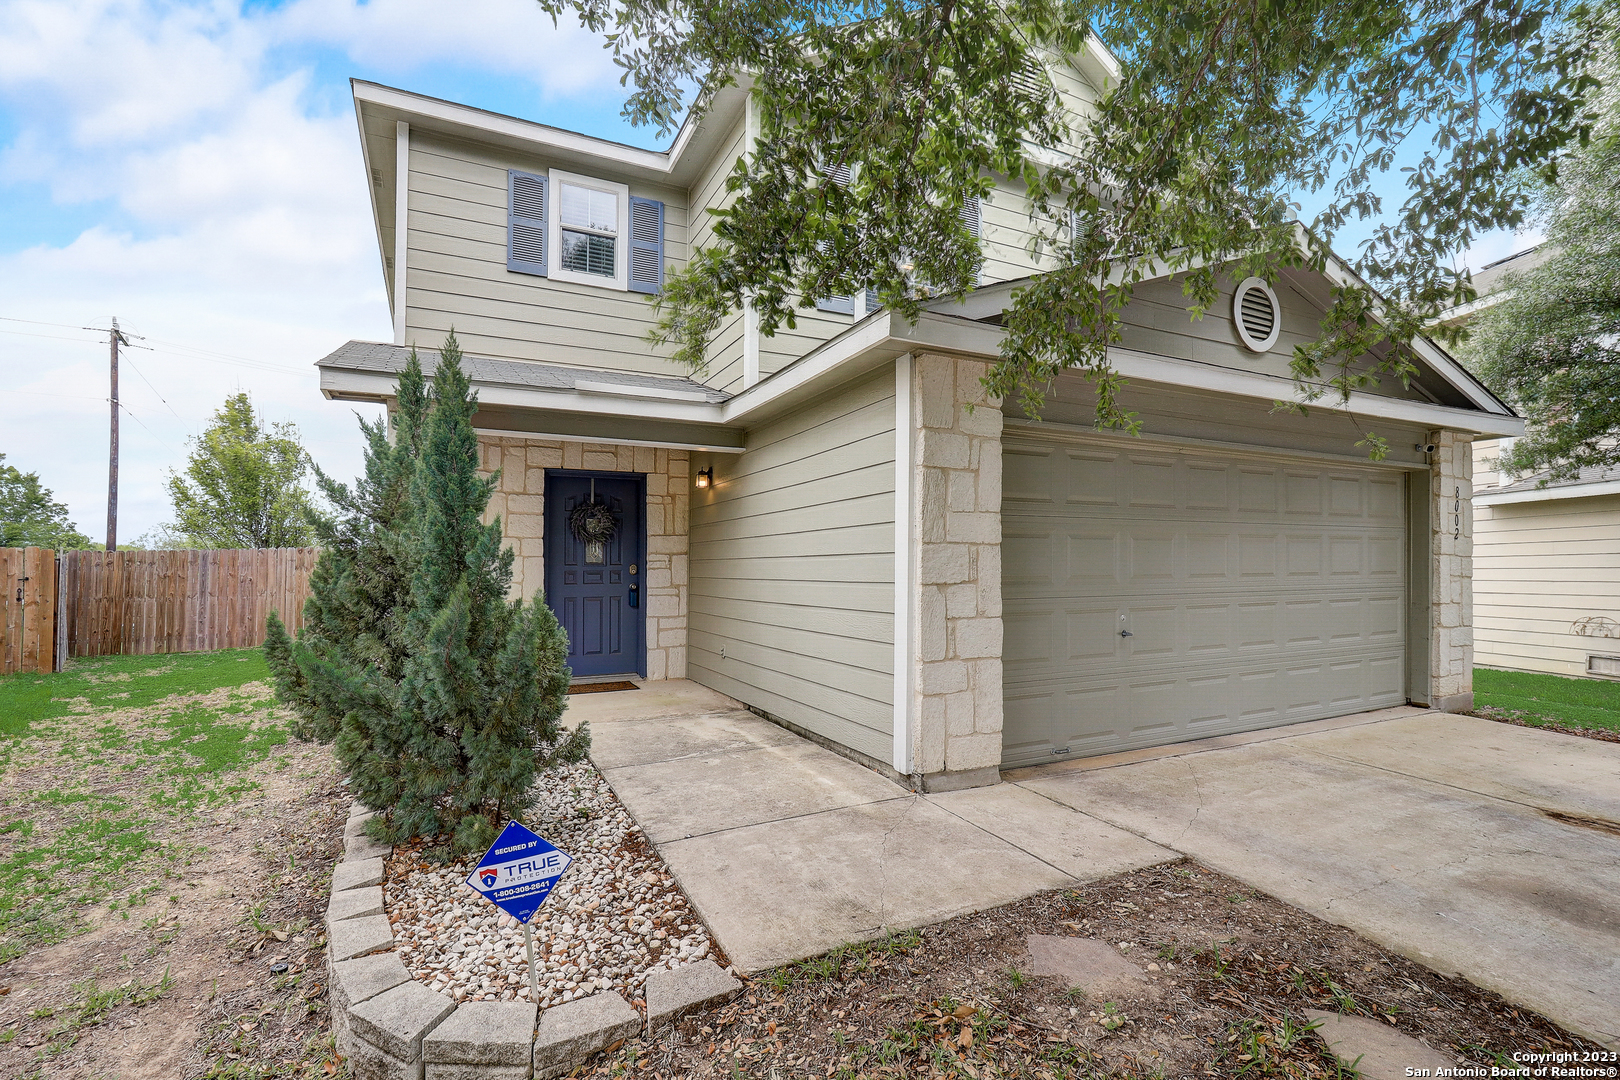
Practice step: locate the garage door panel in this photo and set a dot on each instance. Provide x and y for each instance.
(1152, 556)
(1255, 594)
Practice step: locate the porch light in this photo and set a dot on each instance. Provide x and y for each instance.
(704, 478)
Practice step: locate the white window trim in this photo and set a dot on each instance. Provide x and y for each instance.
(621, 244)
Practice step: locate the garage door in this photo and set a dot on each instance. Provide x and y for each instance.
(1158, 596)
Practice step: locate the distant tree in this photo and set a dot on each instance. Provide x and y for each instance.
(244, 484)
(1552, 346)
(30, 517)
(442, 698)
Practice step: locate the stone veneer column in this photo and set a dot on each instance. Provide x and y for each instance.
(520, 502)
(1451, 572)
(956, 568)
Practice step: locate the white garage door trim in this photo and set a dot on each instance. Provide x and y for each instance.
(1161, 594)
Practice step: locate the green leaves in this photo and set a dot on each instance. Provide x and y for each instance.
(441, 697)
(243, 486)
(30, 517)
(1552, 343)
(1227, 114)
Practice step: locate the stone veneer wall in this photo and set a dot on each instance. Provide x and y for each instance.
(956, 567)
(1451, 571)
(520, 502)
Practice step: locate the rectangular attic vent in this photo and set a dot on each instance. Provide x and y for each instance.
(1606, 666)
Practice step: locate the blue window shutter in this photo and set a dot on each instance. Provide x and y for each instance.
(526, 223)
(834, 305)
(971, 219)
(646, 245)
(970, 215)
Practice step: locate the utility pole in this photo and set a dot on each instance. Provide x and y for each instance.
(114, 338)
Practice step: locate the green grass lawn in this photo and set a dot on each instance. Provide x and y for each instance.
(103, 769)
(1543, 699)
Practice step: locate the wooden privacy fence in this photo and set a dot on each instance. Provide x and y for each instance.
(28, 609)
(134, 603)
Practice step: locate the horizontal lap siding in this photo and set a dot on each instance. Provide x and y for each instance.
(1190, 414)
(793, 570)
(457, 278)
(1157, 321)
(1538, 568)
(723, 361)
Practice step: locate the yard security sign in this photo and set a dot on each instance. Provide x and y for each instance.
(517, 872)
(516, 875)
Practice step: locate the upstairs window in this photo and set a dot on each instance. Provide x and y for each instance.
(585, 231)
(588, 219)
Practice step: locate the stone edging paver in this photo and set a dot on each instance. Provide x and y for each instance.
(391, 1027)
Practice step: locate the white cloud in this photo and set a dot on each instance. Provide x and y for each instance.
(506, 37)
(233, 212)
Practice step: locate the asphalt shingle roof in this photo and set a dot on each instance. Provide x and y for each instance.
(380, 357)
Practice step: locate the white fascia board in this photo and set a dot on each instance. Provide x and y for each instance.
(624, 390)
(873, 333)
(1098, 63)
(338, 383)
(1547, 494)
(1145, 367)
(1339, 273)
(376, 206)
(509, 433)
(541, 136)
(1464, 312)
(885, 335)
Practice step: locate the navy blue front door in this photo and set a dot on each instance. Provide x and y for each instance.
(596, 590)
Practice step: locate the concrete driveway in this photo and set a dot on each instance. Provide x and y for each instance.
(1473, 847)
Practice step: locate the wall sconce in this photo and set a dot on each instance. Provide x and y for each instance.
(705, 478)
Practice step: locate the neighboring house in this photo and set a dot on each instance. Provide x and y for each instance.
(1547, 569)
(1546, 554)
(816, 525)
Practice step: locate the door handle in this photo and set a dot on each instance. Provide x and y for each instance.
(1126, 633)
(635, 596)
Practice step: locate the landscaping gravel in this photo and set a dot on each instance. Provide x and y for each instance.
(615, 916)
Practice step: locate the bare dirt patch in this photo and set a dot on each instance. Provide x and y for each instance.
(163, 869)
(1229, 973)
(188, 973)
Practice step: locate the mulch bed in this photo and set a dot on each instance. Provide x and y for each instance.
(1231, 972)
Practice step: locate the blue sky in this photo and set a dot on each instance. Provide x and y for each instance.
(192, 166)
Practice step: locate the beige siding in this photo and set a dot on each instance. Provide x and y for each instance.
(1538, 568)
(792, 594)
(1157, 321)
(457, 277)
(724, 361)
(1217, 418)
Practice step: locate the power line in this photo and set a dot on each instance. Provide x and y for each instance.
(149, 431)
(227, 358)
(154, 390)
(53, 337)
(38, 322)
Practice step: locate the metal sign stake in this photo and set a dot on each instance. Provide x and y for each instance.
(534, 981)
(516, 874)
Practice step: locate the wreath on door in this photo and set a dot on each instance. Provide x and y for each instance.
(593, 525)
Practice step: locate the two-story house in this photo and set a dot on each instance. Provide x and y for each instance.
(818, 527)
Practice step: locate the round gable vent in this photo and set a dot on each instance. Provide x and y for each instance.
(1256, 314)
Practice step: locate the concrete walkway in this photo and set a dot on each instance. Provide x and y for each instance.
(789, 850)
(1474, 847)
